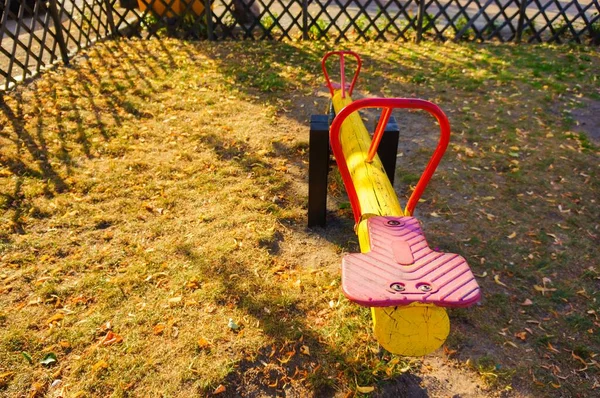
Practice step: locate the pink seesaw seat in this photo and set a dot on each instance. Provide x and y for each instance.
(401, 269)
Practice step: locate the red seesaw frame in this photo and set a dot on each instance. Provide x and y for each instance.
(388, 104)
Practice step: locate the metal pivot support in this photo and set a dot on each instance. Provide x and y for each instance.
(318, 168)
(319, 161)
(388, 148)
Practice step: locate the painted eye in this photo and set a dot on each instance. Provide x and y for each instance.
(398, 287)
(394, 223)
(425, 287)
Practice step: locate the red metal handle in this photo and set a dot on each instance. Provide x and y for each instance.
(342, 55)
(388, 104)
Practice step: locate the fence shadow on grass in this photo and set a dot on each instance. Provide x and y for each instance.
(270, 372)
(65, 115)
(42, 139)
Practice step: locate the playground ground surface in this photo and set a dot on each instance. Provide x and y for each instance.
(154, 190)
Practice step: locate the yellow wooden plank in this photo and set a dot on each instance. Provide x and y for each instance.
(412, 330)
(374, 190)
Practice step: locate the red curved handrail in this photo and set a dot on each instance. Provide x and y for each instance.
(342, 55)
(388, 104)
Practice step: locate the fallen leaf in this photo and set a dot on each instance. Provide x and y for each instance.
(546, 279)
(551, 348)
(404, 369)
(365, 390)
(290, 355)
(37, 390)
(211, 308)
(512, 236)
(55, 318)
(111, 338)
(232, 325)
(49, 359)
(35, 301)
(521, 335)
(27, 357)
(203, 343)
(158, 329)
(175, 300)
(129, 386)
(64, 344)
(448, 352)
(434, 214)
(219, 390)
(305, 350)
(543, 289)
(57, 374)
(583, 293)
(6, 375)
(497, 280)
(4, 378)
(155, 276)
(575, 356)
(193, 284)
(527, 302)
(100, 365)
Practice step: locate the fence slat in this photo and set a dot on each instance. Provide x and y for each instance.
(420, 20)
(110, 19)
(304, 19)
(209, 19)
(64, 52)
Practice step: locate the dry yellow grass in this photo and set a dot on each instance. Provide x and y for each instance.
(157, 189)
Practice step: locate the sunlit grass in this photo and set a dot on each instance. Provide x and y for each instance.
(156, 189)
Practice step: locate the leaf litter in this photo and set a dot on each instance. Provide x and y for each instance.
(160, 162)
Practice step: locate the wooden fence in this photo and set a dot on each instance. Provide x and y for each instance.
(36, 34)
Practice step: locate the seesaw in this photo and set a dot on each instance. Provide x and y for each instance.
(407, 285)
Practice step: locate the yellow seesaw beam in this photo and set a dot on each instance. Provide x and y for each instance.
(412, 330)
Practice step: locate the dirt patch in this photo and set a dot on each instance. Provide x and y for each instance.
(587, 119)
(446, 378)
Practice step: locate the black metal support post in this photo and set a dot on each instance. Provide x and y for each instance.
(318, 168)
(388, 148)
